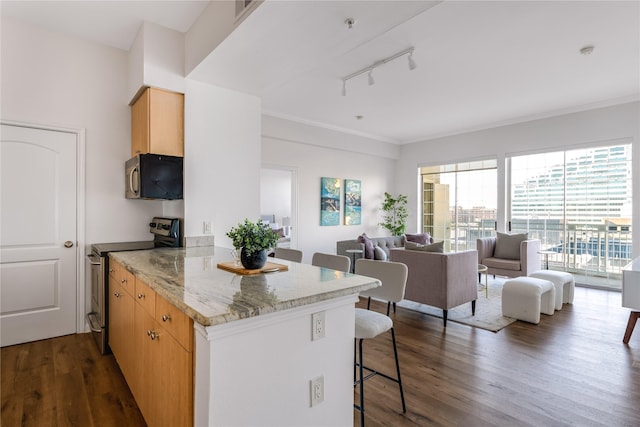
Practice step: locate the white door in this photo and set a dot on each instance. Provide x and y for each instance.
(38, 254)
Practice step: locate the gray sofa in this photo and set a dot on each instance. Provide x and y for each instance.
(442, 280)
(385, 243)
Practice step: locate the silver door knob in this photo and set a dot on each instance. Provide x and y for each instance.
(68, 244)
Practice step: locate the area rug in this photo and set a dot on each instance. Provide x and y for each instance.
(488, 310)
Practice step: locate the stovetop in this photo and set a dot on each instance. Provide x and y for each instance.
(102, 249)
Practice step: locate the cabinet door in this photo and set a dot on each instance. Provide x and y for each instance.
(173, 381)
(143, 386)
(121, 327)
(140, 125)
(157, 123)
(166, 122)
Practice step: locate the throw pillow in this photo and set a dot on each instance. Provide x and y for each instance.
(508, 245)
(379, 254)
(434, 247)
(421, 238)
(279, 232)
(368, 245)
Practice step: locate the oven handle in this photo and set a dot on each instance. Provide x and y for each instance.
(94, 259)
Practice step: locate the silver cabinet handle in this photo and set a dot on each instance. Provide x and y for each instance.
(123, 280)
(140, 296)
(68, 244)
(166, 317)
(117, 294)
(154, 335)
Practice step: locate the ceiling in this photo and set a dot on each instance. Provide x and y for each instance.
(480, 64)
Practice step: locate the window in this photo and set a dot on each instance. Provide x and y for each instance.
(578, 203)
(459, 202)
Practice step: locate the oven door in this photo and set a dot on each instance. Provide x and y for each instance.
(97, 317)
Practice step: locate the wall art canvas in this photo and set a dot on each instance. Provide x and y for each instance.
(352, 202)
(330, 189)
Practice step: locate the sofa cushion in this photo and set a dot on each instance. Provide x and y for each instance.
(421, 238)
(508, 245)
(368, 245)
(379, 254)
(434, 247)
(503, 264)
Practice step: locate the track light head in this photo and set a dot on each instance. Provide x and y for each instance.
(412, 63)
(344, 88)
(370, 77)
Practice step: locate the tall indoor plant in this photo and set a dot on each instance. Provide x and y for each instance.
(253, 239)
(395, 214)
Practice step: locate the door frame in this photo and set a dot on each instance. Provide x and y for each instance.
(81, 295)
(294, 196)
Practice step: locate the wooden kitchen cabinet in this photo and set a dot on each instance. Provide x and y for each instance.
(157, 123)
(162, 378)
(121, 326)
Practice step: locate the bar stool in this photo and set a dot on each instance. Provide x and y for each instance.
(288, 254)
(369, 324)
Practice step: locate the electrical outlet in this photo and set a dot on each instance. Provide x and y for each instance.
(317, 326)
(207, 227)
(317, 390)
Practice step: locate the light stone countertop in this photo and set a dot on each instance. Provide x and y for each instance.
(190, 279)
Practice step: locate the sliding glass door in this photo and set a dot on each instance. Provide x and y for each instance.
(459, 202)
(578, 203)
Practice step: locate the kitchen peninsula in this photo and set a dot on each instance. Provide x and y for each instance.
(253, 356)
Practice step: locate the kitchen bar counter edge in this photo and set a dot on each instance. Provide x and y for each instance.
(190, 279)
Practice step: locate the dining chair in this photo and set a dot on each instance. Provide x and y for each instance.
(334, 262)
(370, 324)
(288, 254)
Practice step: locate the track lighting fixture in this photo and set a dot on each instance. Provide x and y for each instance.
(370, 68)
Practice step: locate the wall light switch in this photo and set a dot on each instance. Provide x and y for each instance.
(207, 227)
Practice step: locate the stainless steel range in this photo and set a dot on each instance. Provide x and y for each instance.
(166, 233)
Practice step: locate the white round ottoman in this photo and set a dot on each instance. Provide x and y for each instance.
(564, 282)
(524, 298)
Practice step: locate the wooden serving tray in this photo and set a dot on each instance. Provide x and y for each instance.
(269, 267)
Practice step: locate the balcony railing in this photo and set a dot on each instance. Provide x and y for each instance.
(595, 253)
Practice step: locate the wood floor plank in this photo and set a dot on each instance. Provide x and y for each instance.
(64, 382)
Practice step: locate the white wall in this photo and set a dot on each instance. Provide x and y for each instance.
(311, 152)
(52, 79)
(620, 122)
(156, 59)
(221, 160)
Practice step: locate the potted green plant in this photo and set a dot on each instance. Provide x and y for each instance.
(395, 214)
(253, 239)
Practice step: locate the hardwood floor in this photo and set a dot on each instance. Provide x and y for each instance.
(570, 370)
(64, 381)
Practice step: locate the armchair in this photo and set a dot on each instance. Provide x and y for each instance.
(517, 256)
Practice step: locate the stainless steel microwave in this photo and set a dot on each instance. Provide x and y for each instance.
(154, 176)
